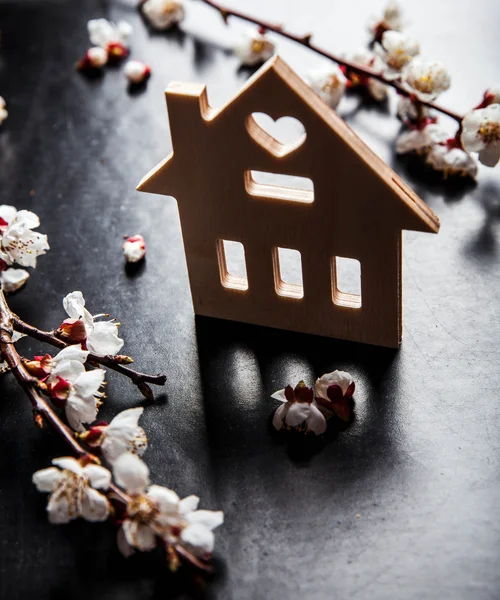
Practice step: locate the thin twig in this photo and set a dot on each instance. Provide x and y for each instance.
(139, 379)
(305, 40)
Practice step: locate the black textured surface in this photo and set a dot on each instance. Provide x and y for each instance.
(405, 503)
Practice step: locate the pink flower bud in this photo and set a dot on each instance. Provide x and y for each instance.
(59, 391)
(94, 58)
(116, 51)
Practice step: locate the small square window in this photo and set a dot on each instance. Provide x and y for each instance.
(232, 265)
(346, 282)
(287, 265)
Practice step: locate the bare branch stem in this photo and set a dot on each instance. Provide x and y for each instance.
(305, 40)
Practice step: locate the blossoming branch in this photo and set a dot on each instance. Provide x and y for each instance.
(71, 383)
(394, 62)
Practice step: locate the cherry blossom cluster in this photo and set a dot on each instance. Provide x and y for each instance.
(307, 409)
(19, 244)
(110, 44)
(393, 60)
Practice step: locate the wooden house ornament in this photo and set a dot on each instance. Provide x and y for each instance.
(357, 210)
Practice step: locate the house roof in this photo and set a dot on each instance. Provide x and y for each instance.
(423, 218)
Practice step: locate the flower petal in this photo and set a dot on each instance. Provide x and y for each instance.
(13, 279)
(69, 463)
(131, 473)
(280, 415)
(297, 414)
(99, 477)
(46, 480)
(340, 378)
(198, 539)
(279, 395)
(74, 305)
(80, 410)
(208, 518)
(103, 339)
(188, 504)
(60, 510)
(167, 500)
(316, 422)
(88, 383)
(71, 353)
(95, 506)
(139, 535)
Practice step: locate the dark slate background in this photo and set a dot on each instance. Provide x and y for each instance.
(405, 503)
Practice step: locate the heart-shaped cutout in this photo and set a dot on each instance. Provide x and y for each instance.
(279, 137)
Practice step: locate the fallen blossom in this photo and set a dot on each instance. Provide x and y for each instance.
(123, 434)
(136, 71)
(18, 243)
(73, 388)
(420, 140)
(158, 512)
(134, 248)
(253, 48)
(329, 83)
(298, 410)
(396, 51)
(366, 58)
(95, 58)
(3, 110)
(73, 490)
(101, 336)
(391, 20)
(13, 279)
(334, 392)
(426, 79)
(481, 133)
(451, 161)
(163, 14)
(112, 38)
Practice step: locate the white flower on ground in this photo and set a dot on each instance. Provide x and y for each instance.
(426, 79)
(397, 50)
(481, 133)
(391, 20)
(420, 140)
(18, 243)
(451, 161)
(95, 58)
(334, 392)
(253, 48)
(136, 71)
(329, 83)
(163, 14)
(73, 490)
(122, 435)
(3, 110)
(101, 336)
(298, 410)
(134, 248)
(73, 388)
(13, 279)
(365, 58)
(112, 38)
(156, 512)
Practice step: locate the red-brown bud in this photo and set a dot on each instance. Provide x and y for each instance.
(40, 366)
(72, 330)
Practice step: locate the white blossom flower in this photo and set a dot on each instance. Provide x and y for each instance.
(158, 512)
(95, 58)
(113, 38)
(3, 110)
(75, 389)
(397, 50)
(298, 410)
(426, 79)
(420, 139)
(13, 279)
(491, 96)
(451, 161)
(136, 71)
(122, 435)
(18, 243)
(102, 336)
(481, 133)
(73, 490)
(329, 83)
(253, 48)
(365, 58)
(334, 392)
(391, 20)
(163, 14)
(134, 248)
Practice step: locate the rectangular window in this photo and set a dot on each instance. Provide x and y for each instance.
(274, 186)
(232, 265)
(287, 265)
(346, 282)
